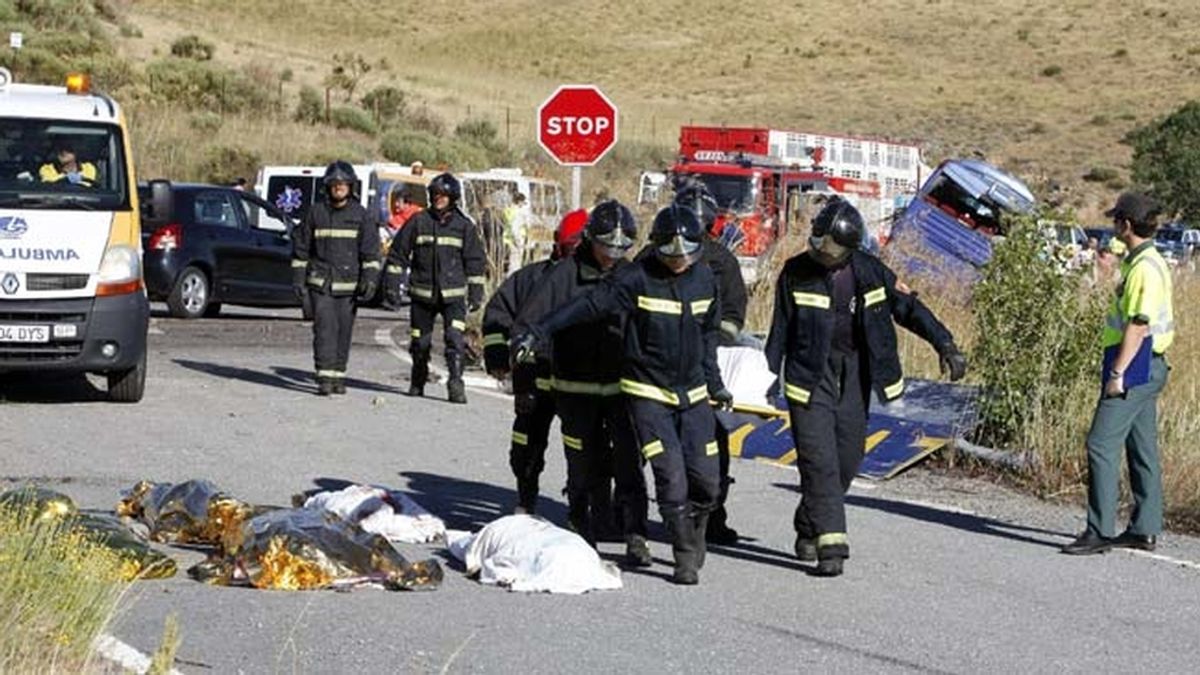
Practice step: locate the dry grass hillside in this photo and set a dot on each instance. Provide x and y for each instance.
(1047, 89)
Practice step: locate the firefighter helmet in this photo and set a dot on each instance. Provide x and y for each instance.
(837, 230)
(612, 226)
(697, 197)
(569, 233)
(445, 184)
(339, 172)
(677, 232)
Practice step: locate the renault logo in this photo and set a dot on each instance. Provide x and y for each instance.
(10, 285)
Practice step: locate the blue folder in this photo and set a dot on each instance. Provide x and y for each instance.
(1138, 371)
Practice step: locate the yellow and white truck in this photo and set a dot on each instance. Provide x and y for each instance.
(71, 292)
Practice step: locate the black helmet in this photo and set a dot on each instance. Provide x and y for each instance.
(677, 232)
(445, 184)
(696, 196)
(339, 172)
(611, 225)
(841, 222)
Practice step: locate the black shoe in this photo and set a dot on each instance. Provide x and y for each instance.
(1141, 542)
(456, 391)
(637, 552)
(1088, 543)
(828, 567)
(416, 390)
(339, 386)
(806, 549)
(324, 386)
(721, 534)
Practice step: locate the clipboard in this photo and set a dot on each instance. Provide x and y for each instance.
(1138, 371)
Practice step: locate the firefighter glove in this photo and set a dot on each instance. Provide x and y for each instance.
(474, 297)
(525, 403)
(953, 361)
(525, 348)
(298, 281)
(722, 398)
(366, 289)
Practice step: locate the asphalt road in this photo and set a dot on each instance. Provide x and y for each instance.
(947, 575)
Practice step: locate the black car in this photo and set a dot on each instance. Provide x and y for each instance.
(216, 245)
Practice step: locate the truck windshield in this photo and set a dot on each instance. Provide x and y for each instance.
(976, 213)
(735, 193)
(56, 164)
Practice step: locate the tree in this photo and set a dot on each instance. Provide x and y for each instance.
(386, 103)
(1166, 160)
(348, 71)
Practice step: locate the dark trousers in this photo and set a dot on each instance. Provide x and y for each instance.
(682, 452)
(527, 456)
(454, 321)
(830, 434)
(599, 446)
(1128, 423)
(333, 328)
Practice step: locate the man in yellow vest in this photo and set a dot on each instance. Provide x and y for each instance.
(1139, 329)
(68, 169)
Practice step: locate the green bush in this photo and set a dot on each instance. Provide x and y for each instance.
(478, 132)
(387, 104)
(407, 147)
(192, 47)
(1165, 159)
(346, 117)
(1100, 174)
(203, 86)
(1051, 71)
(311, 108)
(207, 122)
(425, 120)
(221, 164)
(1038, 344)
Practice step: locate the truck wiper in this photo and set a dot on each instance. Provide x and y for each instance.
(50, 200)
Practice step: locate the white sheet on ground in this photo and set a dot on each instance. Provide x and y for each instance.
(529, 554)
(745, 372)
(389, 513)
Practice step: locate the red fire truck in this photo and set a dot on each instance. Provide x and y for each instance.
(760, 195)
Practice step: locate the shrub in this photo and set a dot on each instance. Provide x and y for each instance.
(203, 86)
(192, 47)
(425, 120)
(1100, 174)
(1165, 159)
(1051, 71)
(346, 117)
(409, 146)
(311, 108)
(479, 132)
(207, 122)
(221, 164)
(1037, 350)
(387, 104)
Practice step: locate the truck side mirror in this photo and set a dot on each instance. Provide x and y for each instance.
(161, 201)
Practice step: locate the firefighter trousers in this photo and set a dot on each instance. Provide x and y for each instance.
(333, 327)
(682, 453)
(527, 455)
(599, 446)
(830, 435)
(454, 321)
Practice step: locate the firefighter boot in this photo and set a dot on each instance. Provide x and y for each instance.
(455, 388)
(637, 552)
(527, 494)
(719, 531)
(578, 520)
(324, 385)
(683, 545)
(806, 549)
(420, 373)
(604, 518)
(700, 522)
(339, 385)
(831, 558)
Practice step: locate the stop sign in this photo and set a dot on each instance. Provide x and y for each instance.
(577, 125)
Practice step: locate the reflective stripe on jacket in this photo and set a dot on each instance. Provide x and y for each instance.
(337, 247)
(443, 256)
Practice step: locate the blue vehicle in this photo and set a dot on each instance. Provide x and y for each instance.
(947, 228)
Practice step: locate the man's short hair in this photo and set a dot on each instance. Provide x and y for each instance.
(1139, 209)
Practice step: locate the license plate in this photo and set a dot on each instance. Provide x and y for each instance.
(24, 333)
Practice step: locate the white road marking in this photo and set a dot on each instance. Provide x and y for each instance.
(484, 385)
(124, 655)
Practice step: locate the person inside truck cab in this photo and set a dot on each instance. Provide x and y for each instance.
(66, 168)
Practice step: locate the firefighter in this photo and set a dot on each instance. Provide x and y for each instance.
(438, 258)
(533, 398)
(598, 441)
(732, 291)
(335, 254)
(833, 341)
(669, 372)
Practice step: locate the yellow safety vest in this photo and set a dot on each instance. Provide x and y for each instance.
(50, 174)
(1145, 292)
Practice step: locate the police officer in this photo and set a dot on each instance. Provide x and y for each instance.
(533, 398)
(732, 291)
(1140, 327)
(335, 254)
(669, 372)
(598, 441)
(440, 255)
(833, 340)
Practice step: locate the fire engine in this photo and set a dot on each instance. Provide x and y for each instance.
(759, 190)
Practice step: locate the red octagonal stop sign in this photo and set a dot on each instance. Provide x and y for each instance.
(577, 125)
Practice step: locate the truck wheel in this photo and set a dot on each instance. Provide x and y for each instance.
(189, 298)
(128, 386)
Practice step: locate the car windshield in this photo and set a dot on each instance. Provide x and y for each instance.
(735, 193)
(54, 164)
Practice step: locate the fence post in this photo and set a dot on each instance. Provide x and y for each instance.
(508, 126)
(326, 105)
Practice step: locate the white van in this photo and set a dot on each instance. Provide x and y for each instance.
(292, 189)
(71, 291)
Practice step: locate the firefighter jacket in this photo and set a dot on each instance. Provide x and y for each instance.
(732, 287)
(336, 248)
(442, 256)
(500, 316)
(803, 325)
(670, 338)
(585, 357)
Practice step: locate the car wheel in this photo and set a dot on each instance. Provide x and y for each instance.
(128, 386)
(189, 298)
